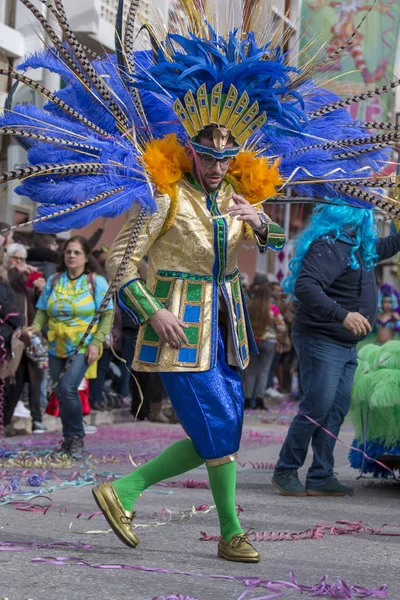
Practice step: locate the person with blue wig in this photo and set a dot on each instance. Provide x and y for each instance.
(333, 280)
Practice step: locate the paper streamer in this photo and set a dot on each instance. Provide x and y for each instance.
(338, 589)
(317, 532)
(23, 546)
(173, 597)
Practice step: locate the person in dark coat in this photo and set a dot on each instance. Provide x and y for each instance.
(334, 282)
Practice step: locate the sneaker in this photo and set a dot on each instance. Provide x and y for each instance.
(63, 448)
(38, 427)
(126, 401)
(333, 487)
(89, 429)
(273, 393)
(97, 406)
(76, 446)
(21, 411)
(287, 483)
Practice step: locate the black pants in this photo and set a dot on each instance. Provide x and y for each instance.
(27, 372)
(96, 386)
(152, 389)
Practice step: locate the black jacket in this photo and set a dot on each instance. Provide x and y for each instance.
(44, 259)
(327, 289)
(10, 318)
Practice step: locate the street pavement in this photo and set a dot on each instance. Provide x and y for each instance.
(171, 558)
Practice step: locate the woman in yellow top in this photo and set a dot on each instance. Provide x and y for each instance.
(67, 305)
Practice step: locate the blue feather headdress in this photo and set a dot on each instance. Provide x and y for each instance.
(232, 84)
(86, 146)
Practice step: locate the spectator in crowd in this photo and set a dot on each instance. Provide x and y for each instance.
(276, 292)
(112, 342)
(27, 283)
(276, 299)
(288, 359)
(334, 281)
(67, 304)
(259, 279)
(267, 323)
(11, 349)
(96, 236)
(101, 257)
(388, 322)
(43, 253)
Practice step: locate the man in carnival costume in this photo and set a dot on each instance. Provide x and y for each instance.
(333, 280)
(193, 136)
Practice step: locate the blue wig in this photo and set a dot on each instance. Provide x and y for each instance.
(332, 221)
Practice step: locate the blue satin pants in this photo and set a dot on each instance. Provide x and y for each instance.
(209, 405)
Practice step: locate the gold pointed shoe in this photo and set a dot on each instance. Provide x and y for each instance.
(119, 519)
(238, 549)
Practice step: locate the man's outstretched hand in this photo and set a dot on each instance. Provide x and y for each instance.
(169, 328)
(357, 324)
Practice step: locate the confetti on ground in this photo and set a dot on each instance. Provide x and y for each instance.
(338, 589)
(316, 533)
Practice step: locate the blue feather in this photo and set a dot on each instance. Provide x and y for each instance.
(209, 62)
(108, 208)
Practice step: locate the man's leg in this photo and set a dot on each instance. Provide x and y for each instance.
(210, 408)
(129, 337)
(321, 470)
(35, 376)
(250, 379)
(173, 461)
(15, 390)
(223, 486)
(321, 365)
(266, 357)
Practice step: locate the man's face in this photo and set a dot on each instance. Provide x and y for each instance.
(209, 170)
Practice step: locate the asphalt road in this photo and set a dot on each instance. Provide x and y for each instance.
(171, 559)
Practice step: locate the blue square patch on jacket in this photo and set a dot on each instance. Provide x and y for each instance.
(192, 314)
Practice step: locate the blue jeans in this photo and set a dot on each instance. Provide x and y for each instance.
(327, 373)
(68, 395)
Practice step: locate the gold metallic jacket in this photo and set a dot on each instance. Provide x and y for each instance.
(192, 266)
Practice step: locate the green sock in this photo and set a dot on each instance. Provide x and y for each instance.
(223, 487)
(173, 461)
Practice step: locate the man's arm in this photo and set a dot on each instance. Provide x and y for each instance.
(134, 296)
(388, 246)
(321, 266)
